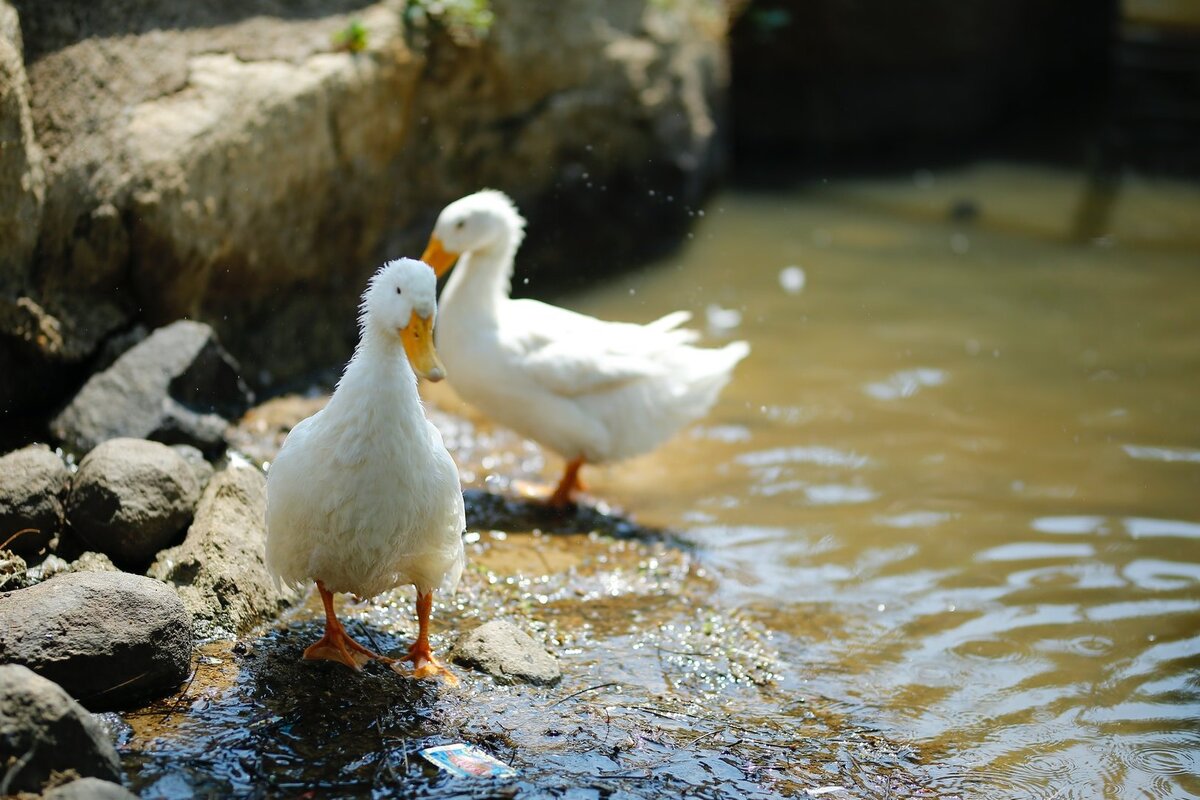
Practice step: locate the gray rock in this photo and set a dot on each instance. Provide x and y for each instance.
(175, 386)
(13, 572)
(195, 459)
(33, 481)
(507, 653)
(108, 638)
(92, 561)
(131, 498)
(219, 570)
(42, 730)
(54, 565)
(89, 789)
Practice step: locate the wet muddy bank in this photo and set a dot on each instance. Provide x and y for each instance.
(662, 692)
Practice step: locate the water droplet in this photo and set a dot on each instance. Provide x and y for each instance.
(792, 279)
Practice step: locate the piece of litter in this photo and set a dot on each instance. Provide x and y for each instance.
(466, 761)
(824, 790)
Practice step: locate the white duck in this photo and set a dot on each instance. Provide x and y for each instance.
(591, 390)
(363, 496)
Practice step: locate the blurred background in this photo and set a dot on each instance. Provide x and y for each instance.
(958, 474)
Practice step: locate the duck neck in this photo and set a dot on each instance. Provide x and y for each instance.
(379, 385)
(482, 280)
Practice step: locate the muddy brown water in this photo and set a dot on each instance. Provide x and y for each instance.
(969, 446)
(945, 528)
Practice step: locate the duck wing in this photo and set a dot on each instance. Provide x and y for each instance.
(572, 354)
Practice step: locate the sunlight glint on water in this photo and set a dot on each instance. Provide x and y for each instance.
(961, 466)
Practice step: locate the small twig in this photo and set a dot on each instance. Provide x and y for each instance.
(182, 695)
(134, 679)
(363, 626)
(21, 532)
(581, 691)
(17, 766)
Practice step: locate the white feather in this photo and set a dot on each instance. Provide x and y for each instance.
(584, 387)
(363, 494)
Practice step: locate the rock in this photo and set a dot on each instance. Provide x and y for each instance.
(219, 570)
(42, 730)
(173, 387)
(195, 459)
(506, 653)
(108, 638)
(33, 481)
(54, 565)
(206, 162)
(93, 562)
(13, 572)
(131, 498)
(89, 789)
(22, 179)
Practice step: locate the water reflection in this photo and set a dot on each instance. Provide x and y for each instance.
(972, 464)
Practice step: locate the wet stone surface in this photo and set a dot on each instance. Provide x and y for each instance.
(662, 692)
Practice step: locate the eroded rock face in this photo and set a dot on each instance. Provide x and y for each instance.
(131, 498)
(507, 653)
(22, 180)
(219, 571)
(176, 386)
(108, 638)
(33, 483)
(43, 730)
(225, 161)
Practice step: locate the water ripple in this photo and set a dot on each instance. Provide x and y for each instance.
(1029, 551)
(813, 454)
(1168, 454)
(1070, 525)
(905, 383)
(1147, 527)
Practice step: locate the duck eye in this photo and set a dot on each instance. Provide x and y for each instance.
(399, 290)
(459, 225)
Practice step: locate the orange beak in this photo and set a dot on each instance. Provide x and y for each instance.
(438, 257)
(417, 337)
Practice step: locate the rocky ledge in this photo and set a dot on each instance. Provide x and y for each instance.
(249, 164)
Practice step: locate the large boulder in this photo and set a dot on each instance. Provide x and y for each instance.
(42, 730)
(108, 638)
(33, 482)
(176, 386)
(131, 498)
(231, 163)
(219, 570)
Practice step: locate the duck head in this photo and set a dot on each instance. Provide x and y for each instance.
(474, 222)
(401, 302)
